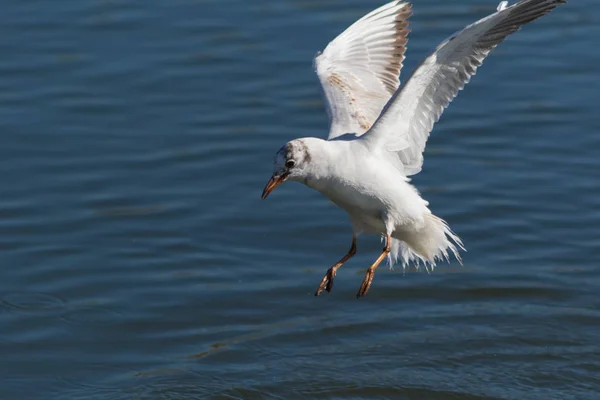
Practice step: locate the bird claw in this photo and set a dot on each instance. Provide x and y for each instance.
(327, 282)
(366, 284)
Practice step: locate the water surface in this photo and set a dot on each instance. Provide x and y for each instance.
(138, 262)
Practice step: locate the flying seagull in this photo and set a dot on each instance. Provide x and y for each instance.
(378, 132)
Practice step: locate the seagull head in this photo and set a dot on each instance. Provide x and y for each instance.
(292, 162)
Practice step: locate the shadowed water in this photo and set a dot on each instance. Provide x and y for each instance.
(138, 262)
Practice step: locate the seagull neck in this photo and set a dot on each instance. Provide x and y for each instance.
(324, 158)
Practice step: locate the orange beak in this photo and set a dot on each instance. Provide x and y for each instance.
(275, 181)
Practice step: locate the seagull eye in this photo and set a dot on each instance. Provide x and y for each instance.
(290, 164)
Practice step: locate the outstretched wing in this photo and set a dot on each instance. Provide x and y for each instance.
(359, 69)
(405, 124)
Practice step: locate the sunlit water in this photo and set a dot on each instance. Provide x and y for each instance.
(138, 262)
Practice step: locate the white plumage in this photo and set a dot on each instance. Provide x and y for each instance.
(378, 133)
(359, 70)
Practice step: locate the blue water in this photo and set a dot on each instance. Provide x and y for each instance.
(138, 262)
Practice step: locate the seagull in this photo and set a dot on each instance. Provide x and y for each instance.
(378, 131)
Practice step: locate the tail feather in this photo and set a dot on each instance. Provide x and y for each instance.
(434, 242)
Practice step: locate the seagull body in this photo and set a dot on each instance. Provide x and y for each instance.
(375, 196)
(378, 132)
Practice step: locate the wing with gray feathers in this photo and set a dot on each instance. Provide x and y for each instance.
(359, 69)
(405, 124)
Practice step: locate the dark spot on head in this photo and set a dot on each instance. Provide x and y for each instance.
(287, 150)
(305, 152)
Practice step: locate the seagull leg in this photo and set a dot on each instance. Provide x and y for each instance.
(366, 283)
(327, 282)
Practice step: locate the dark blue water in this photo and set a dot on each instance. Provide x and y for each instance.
(138, 262)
